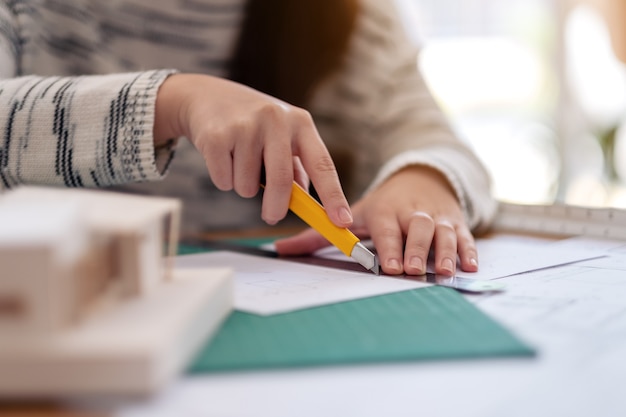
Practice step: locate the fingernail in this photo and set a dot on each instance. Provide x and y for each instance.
(448, 265)
(416, 262)
(393, 264)
(344, 215)
(473, 262)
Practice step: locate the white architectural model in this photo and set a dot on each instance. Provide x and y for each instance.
(89, 300)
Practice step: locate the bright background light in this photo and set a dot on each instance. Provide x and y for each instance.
(534, 88)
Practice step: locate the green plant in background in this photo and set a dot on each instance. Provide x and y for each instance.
(607, 139)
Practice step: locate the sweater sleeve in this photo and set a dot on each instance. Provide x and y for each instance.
(87, 131)
(83, 131)
(392, 117)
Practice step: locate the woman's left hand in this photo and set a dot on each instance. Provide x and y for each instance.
(410, 213)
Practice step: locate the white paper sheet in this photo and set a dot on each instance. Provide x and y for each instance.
(503, 257)
(614, 251)
(270, 286)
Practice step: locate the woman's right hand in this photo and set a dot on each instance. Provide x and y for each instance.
(239, 130)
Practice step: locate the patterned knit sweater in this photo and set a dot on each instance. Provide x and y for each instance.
(78, 84)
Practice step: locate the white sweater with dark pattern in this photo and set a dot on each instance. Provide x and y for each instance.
(78, 84)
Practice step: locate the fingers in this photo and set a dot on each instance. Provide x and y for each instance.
(467, 249)
(273, 143)
(420, 234)
(291, 147)
(424, 232)
(404, 246)
(247, 164)
(278, 180)
(449, 241)
(319, 165)
(217, 155)
(445, 248)
(305, 242)
(389, 242)
(452, 243)
(411, 215)
(299, 174)
(238, 130)
(396, 256)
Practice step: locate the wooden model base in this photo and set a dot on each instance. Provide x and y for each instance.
(127, 346)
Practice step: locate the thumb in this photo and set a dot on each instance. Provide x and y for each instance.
(303, 243)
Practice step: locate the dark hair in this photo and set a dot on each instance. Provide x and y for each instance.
(287, 47)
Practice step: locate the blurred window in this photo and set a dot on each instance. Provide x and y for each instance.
(533, 87)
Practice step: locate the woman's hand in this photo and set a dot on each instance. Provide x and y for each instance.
(410, 213)
(240, 131)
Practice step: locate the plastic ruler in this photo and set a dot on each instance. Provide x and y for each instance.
(562, 220)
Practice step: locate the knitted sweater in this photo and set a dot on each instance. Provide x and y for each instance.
(78, 84)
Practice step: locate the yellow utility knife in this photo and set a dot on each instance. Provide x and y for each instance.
(313, 214)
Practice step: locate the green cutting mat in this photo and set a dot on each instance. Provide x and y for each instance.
(423, 324)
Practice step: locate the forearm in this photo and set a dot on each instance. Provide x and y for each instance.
(415, 132)
(80, 131)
